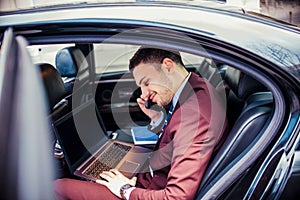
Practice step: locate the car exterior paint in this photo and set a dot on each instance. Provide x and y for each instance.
(271, 46)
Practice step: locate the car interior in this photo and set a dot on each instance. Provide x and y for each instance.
(73, 77)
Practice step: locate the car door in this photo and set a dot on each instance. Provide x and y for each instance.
(26, 164)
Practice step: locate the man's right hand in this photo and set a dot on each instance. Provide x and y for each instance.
(153, 114)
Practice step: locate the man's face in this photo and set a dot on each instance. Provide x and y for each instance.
(155, 83)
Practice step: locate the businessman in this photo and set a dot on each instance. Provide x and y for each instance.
(189, 134)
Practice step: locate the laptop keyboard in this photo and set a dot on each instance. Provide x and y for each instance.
(108, 160)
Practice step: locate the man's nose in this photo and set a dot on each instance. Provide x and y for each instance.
(145, 93)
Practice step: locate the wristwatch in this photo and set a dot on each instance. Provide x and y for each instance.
(123, 190)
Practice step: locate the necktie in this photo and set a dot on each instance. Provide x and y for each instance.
(171, 108)
(166, 120)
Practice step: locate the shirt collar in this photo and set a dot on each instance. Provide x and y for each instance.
(178, 92)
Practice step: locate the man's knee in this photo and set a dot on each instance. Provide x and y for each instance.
(62, 187)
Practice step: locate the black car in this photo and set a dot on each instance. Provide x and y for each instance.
(56, 58)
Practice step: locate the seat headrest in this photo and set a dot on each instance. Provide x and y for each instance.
(54, 85)
(68, 60)
(241, 84)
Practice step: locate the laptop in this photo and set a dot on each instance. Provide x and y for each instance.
(86, 145)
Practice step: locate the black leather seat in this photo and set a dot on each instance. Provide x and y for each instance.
(212, 72)
(238, 88)
(250, 106)
(55, 93)
(69, 62)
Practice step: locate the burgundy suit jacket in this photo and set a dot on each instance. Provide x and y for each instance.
(183, 151)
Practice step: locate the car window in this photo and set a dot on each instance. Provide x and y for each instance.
(110, 57)
(45, 53)
(115, 57)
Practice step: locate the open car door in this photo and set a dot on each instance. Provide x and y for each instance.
(26, 169)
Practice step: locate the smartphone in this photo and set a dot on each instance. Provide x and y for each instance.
(149, 103)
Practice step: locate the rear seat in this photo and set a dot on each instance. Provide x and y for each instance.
(249, 108)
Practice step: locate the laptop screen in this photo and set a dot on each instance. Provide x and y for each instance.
(80, 133)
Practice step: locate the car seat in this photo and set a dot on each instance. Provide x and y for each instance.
(250, 106)
(58, 103)
(55, 91)
(69, 61)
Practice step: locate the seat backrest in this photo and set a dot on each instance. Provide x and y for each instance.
(69, 62)
(254, 106)
(55, 91)
(209, 70)
(238, 87)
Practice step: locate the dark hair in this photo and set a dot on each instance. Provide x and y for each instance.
(152, 55)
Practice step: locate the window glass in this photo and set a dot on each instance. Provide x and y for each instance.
(108, 57)
(190, 60)
(115, 57)
(45, 53)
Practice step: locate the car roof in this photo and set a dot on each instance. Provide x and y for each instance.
(7, 5)
(254, 34)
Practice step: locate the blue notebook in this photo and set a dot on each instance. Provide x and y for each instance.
(141, 135)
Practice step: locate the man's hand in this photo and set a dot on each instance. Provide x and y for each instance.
(153, 114)
(115, 180)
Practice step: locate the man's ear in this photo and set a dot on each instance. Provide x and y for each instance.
(168, 64)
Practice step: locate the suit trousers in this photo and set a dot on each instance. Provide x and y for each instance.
(74, 189)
